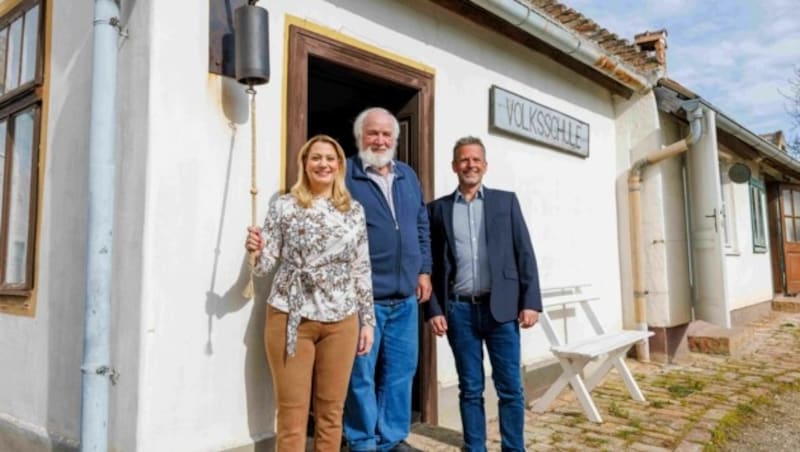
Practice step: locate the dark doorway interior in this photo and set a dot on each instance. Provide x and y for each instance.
(336, 95)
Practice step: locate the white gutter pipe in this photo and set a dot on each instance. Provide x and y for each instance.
(557, 35)
(694, 113)
(96, 367)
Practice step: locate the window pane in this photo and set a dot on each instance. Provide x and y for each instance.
(787, 202)
(788, 229)
(759, 217)
(12, 57)
(796, 198)
(2, 164)
(20, 198)
(796, 230)
(29, 45)
(3, 42)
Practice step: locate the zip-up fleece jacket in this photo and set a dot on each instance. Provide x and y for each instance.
(398, 250)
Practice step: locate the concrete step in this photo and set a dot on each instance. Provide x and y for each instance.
(704, 337)
(786, 304)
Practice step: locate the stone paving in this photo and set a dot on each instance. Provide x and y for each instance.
(688, 404)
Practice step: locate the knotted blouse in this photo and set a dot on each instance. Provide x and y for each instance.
(322, 255)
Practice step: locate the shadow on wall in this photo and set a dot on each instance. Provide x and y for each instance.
(63, 226)
(218, 303)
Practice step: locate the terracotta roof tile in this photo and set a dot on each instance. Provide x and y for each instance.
(630, 54)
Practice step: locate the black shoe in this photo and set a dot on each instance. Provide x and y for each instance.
(403, 446)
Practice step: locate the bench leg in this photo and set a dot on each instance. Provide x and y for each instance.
(615, 359)
(570, 375)
(627, 377)
(597, 376)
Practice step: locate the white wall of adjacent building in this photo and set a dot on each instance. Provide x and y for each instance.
(751, 282)
(40, 384)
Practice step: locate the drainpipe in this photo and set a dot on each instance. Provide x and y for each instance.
(694, 114)
(557, 35)
(96, 368)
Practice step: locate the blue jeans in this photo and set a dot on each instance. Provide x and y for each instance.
(468, 326)
(377, 412)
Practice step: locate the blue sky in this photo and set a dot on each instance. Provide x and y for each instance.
(737, 54)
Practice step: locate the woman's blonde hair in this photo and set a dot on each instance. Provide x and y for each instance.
(340, 196)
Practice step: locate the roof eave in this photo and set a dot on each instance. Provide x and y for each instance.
(781, 160)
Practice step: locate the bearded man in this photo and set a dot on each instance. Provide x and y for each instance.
(377, 413)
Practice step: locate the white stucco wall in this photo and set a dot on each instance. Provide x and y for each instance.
(40, 381)
(667, 271)
(642, 130)
(749, 273)
(203, 357)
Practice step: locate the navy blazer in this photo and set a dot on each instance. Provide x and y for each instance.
(512, 263)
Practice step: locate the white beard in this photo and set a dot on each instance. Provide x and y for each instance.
(376, 160)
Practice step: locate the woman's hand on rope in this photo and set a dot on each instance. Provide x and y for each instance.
(254, 242)
(365, 339)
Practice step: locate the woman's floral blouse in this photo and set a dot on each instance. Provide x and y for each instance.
(322, 255)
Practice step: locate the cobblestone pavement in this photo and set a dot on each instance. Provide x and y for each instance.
(691, 406)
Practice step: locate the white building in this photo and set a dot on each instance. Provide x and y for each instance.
(186, 345)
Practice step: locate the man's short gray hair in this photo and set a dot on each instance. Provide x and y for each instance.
(467, 140)
(358, 124)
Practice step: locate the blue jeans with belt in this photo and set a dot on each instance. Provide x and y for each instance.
(468, 326)
(377, 413)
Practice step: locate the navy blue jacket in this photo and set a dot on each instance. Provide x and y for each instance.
(399, 251)
(512, 263)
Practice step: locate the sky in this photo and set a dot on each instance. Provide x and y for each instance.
(737, 54)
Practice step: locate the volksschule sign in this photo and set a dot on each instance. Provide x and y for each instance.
(527, 119)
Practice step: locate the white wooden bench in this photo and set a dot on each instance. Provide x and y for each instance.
(573, 356)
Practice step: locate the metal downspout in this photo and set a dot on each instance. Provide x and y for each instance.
(552, 32)
(96, 367)
(635, 176)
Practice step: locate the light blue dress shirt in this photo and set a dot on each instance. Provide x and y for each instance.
(472, 260)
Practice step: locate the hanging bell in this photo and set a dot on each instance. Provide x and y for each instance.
(251, 40)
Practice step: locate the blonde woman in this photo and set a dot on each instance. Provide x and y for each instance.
(320, 311)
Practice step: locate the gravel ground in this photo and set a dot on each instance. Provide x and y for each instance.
(772, 428)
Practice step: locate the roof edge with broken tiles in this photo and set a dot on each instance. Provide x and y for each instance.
(626, 53)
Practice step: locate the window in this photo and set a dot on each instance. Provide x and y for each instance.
(20, 105)
(757, 216)
(728, 213)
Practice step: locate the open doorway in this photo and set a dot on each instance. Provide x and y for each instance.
(329, 83)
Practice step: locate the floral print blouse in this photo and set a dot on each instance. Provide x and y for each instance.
(322, 255)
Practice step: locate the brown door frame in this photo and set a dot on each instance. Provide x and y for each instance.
(304, 43)
(789, 251)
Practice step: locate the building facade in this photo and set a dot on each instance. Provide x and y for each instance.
(562, 129)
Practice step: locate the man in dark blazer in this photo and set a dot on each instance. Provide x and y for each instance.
(485, 287)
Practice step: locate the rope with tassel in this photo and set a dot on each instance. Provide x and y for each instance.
(248, 291)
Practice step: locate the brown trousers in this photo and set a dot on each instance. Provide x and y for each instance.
(325, 354)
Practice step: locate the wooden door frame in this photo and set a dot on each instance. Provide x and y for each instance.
(304, 43)
(784, 262)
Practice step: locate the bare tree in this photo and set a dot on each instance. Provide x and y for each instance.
(793, 108)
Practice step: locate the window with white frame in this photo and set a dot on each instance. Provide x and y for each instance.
(21, 74)
(758, 215)
(728, 212)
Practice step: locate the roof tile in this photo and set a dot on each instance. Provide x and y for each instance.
(628, 53)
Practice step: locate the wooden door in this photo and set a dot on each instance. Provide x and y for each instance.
(790, 236)
(408, 141)
(415, 145)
